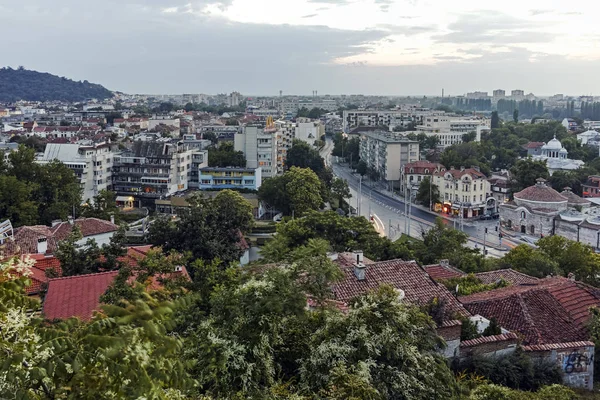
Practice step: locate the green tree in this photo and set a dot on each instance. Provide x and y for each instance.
(469, 137)
(378, 327)
(428, 193)
(573, 258)
(15, 202)
(298, 190)
(495, 120)
(102, 206)
(516, 115)
(530, 261)
(209, 229)
(302, 155)
(362, 168)
(526, 172)
(340, 190)
(226, 156)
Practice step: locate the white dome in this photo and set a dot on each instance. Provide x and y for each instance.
(563, 150)
(554, 144)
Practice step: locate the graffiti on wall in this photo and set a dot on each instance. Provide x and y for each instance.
(576, 362)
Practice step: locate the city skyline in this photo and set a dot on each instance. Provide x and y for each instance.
(376, 47)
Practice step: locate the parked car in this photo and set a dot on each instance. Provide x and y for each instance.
(485, 217)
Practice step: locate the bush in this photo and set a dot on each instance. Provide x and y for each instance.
(471, 284)
(556, 392)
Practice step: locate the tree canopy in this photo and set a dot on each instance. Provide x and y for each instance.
(297, 191)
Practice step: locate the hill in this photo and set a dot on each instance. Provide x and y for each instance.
(23, 84)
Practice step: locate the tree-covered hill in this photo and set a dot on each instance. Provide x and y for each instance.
(23, 84)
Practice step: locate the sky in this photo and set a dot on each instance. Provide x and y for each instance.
(258, 47)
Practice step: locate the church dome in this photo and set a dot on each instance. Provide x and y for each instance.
(540, 193)
(554, 144)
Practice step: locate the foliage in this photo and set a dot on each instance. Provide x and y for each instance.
(210, 228)
(492, 329)
(468, 329)
(428, 193)
(470, 284)
(515, 370)
(362, 168)
(302, 155)
(348, 149)
(102, 206)
(22, 84)
(298, 190)
(122, 353)
(32, 193)
(226, 156)
(530, 261)
(390, 345)
(495, 124)
(342, 233)
(79, 259)
(340, 191)
(525, 173)
(442, 242)
(573, 258)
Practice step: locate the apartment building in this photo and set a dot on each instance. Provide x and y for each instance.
(92, 164)
(450, 130)
(199, 161)
(463, 191)
(329, 105)
(151, 169)
(387, 118)
(216, 178)
(413, 173)
(260, 147)
(386, 152)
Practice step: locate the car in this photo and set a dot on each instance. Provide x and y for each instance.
(485, 217)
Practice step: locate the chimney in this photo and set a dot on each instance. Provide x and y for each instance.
(444, 263)
(358, 256)
(56, 222)
(42, 245)
(360, 271)
(70, 219)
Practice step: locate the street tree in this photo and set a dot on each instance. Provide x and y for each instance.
(362, 168)
(297, 191)
(341, 191)
(428, 193)
(495, 124)
(530, 261)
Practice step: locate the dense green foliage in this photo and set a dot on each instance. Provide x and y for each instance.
(226, 156)
(297, 191)
(428, 193)
(211, 228)
(302, 155)
(32, 193)
(22, 84)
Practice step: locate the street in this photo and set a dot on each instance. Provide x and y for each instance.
(388, 213)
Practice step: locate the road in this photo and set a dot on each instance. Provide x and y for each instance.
(389, 213)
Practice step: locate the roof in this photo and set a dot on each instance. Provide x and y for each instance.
(540, 192)
(439, 271)
(25, 241)
(534, 145)
(408, 276)
(573, 198)
(554, 310)
(509, 275)
(419, 167)
(489, 339)
(557, 346)
(76, 296)
(458, 173)
(88, 226)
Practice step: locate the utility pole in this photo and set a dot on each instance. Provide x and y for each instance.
(485, 231)
(405, 209)
(430, 199)
(409, 208)
(359, 200)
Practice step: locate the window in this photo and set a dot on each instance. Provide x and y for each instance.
(474, 198)
(480, 197)
(474, 187)
(523, 215)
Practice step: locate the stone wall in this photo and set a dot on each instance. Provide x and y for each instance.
(587, 234)
(537, 220)
(451, 335)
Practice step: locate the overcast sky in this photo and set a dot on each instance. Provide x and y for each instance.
(393, 47)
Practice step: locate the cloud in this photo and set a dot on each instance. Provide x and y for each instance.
(494, 28)
(405, 30)
(539, 12)
(309, 16)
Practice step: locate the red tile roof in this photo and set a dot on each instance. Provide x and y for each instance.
(419, 167)
(438, 271)
(457, 173)
(534, 145)
(418, 287)
(25, 241)
(76, 296)
(509, 275)
(88, 226)
(540, 192)
(552, 311)
(489, 339)
(557, 346)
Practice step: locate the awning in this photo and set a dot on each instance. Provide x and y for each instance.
(124, 199)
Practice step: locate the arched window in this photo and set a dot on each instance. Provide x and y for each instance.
(523, 215)
(532, 230)
(426, 171)
(412, 170)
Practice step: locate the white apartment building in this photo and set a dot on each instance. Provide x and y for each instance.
(517, 95)
(386, 153)
(450, 130)
(91, 164)
(151, 169)
(308, 131)
(477, 95)
(260, 148)
(329, 105)
(463, 191)
(387, 118)
(175, 123)
(234, 99)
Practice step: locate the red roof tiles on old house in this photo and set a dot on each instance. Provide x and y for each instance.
(552, 311)
(88, 226)
(418, 287)
(440, 271)
(76, 296)
(509, 275)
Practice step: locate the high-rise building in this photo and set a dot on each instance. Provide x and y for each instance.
(259, 145)
(386, 152)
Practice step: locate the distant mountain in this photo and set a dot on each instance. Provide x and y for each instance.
(23, 84)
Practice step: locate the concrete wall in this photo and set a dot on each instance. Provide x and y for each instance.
(576, 364)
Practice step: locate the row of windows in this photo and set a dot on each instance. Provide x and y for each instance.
(465, 199)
